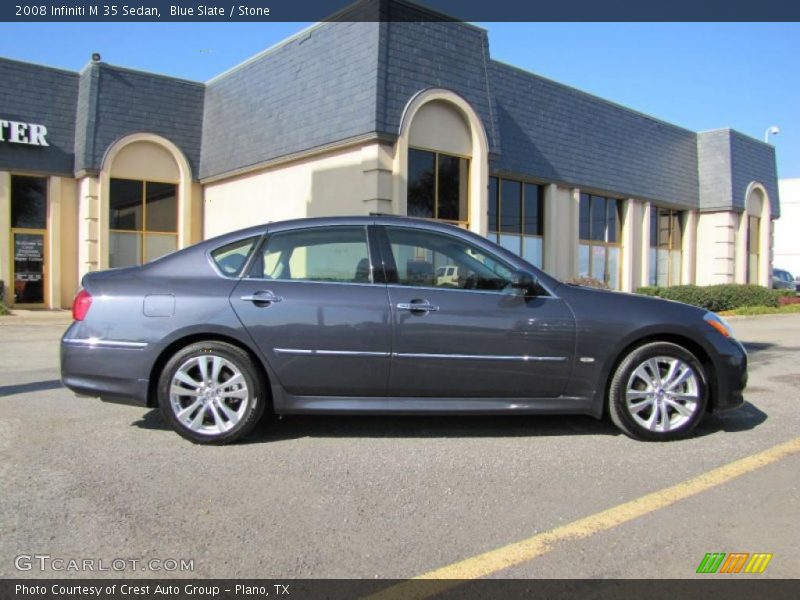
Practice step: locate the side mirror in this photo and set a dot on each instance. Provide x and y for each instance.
(526, 282)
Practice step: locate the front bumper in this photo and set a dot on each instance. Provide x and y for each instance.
(114, 370)
(731, 375)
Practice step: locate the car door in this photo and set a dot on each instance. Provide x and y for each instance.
(310, 303)
(471, 335)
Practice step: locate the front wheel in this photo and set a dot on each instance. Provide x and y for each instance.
(658, 392)
(211, 393)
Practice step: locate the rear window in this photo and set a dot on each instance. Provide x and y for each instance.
(231, 258)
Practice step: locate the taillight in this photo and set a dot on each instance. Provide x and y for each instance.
(81, 305)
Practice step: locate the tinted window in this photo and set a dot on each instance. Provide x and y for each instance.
(421, 183)
(493, 204)
(332, 254)
(28, 202)
(231, 258)
(534, 210)
(430, 259)
(510, 206)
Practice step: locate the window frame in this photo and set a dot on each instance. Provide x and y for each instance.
(673, 216)
(590, 243)
(387, 256)
(753, 240)
(436, 153)
(144, 232)
(494, 235)
(377, 275)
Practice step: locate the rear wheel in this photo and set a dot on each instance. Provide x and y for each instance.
(211, 393)
(658, 392)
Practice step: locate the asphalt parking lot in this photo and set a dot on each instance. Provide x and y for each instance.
(364, 497)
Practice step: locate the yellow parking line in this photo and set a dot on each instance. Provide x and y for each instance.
(513, 554)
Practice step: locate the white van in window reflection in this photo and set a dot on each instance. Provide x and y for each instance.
(447, 276)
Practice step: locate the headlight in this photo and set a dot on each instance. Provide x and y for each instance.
(718, 323)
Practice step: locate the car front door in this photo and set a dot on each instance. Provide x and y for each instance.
(312, 306)
(472, 335)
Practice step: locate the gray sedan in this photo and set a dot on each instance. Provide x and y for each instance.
(341, 315)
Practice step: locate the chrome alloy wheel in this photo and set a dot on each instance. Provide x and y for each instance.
(663, 393)
(209, 394)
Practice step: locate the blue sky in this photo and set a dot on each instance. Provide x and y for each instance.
(697, 75)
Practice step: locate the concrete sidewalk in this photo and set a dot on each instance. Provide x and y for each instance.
(36, 317)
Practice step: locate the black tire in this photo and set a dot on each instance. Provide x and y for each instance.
(630, 421)
(249, 389)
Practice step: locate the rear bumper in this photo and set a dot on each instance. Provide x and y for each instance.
(731, 375)
(114, 370)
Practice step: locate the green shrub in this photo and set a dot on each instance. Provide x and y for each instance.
(4, 310)
(716, 297)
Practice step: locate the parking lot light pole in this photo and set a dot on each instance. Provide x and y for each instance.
(774, 130)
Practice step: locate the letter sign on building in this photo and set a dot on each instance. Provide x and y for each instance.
(17, 132)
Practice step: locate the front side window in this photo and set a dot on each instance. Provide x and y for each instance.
(666, 235)
(438, 186)
(430, 259)
(329, 254)
(753, 244)
(599, 250)
(142, 221)
(516, 217)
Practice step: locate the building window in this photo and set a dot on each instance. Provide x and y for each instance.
(599, 249)
(753, 245)
(666, 235)
(28, 225)
(438, 186)
(142, 221)
(516, 217)
(28, 202)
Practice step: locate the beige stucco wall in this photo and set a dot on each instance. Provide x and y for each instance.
(348, 181)
(64, 252)
(561, 231)
(5, 234)
(437, 126)
(716, 247)
(787, 240)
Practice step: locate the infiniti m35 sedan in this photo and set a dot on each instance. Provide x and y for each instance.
(364, 315)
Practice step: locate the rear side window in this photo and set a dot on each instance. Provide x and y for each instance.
(231, 258)
(329, 254)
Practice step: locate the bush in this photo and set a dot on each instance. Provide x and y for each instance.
(4, 310)
(588, 282)
(716, 298)
(783, 300)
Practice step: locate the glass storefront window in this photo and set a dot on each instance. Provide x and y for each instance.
(666, 235)
(753, 245)
(438, 186)
(28, 202)
(599, 249)
(142, 221)
(516, 217)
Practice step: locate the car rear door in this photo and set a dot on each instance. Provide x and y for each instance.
(477, 339)
(311, 304)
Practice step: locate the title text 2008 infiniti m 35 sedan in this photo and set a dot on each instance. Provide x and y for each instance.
(387, 315)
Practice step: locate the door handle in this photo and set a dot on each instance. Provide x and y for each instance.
(262, 297)
(417, 306)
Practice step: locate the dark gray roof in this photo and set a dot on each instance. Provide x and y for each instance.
(316, 88)
(114, 102)
(37, 94)
(728, 163)
(557, 133)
